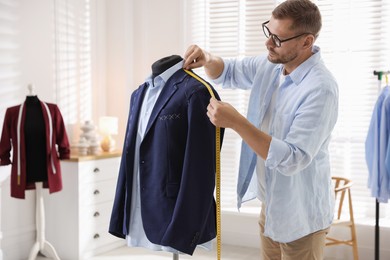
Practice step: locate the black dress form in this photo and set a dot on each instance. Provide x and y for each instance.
(35, 141)
(165, 63)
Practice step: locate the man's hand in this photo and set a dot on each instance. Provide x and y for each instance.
(195, 57)
(222, 114)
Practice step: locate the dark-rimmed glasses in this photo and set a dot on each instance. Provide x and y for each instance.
(275, 39)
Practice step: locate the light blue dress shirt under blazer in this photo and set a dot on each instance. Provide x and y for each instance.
(298, 192)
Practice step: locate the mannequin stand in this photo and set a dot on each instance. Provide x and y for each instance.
(41, 245)
(175, 256)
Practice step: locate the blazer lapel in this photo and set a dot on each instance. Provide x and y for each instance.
(135, 110)
(166, 93)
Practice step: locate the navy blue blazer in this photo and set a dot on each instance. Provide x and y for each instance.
(177, 167)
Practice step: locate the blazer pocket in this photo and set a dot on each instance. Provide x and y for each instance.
(170, 117)
(171, 114)
(172, 189)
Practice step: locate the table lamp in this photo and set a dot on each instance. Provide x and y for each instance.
(108, 126)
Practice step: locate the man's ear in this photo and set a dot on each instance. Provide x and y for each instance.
(309, 41)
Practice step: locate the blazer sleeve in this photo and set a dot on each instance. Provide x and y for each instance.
(120, 210)
(61, 135)
(5, 142)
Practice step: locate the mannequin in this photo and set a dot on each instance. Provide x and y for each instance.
(163, 64)
(36, 165)
(165, 219)
(33, 141)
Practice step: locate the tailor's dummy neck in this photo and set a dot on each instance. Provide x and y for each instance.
(163, 64)
(31, 98)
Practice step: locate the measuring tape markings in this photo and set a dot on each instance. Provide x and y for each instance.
(218, 167)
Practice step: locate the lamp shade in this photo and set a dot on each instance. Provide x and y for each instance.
(108, 125)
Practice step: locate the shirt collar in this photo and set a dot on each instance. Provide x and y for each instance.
(300, 72)
(163, 77)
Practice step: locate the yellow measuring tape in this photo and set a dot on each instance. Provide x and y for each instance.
(218, 167)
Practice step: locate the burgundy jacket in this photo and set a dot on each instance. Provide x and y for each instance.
(13, 138)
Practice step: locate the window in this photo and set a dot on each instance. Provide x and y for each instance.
(73, 59)
(70, 56)
(9, 56)
(354, 43)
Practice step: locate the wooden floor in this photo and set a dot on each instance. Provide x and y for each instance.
(126, 253)
(228, 253)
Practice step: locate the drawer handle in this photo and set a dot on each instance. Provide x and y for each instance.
(96, 170)
(96, 214)
(96, 192)
(96, 236)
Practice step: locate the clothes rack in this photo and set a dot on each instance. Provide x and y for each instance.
(380, 74)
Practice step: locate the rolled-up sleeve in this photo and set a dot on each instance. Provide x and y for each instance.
(278, 150)
(239, 73)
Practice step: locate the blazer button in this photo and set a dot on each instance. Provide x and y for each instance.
(142, 162)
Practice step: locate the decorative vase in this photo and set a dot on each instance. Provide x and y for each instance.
(89, 136)
(83, 146)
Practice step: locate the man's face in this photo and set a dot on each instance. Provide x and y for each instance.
(289, 50)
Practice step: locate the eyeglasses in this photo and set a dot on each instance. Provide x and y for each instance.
(275, 39)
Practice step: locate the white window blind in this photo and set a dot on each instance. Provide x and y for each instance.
(73, 59)
(9, 56)
(354, 42)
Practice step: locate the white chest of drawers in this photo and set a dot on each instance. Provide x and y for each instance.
(77, 218)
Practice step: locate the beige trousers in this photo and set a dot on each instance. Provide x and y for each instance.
(310, 247)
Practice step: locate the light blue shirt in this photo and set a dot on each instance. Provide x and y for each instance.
(377, 148)
(299, 196)
(137, 236)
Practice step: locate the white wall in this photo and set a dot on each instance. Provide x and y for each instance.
(30, 27)
(34, 39)
(137, 34)
(37, 50)
(3, 176)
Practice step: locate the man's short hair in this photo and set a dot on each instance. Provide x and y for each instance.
(305, 15)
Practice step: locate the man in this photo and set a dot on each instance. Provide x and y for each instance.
(292, 112)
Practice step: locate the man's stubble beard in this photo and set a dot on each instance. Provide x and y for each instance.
(277, 59)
